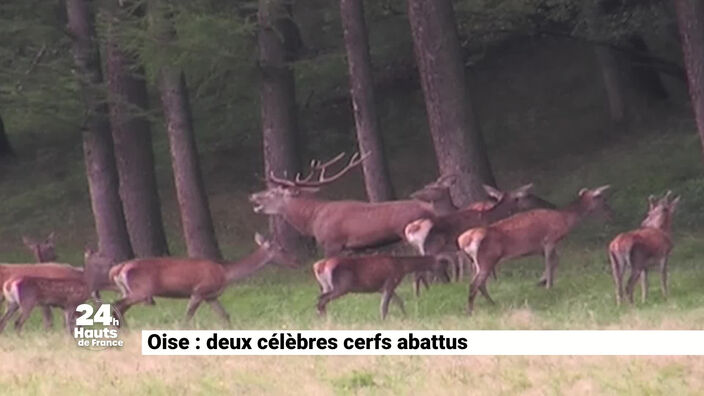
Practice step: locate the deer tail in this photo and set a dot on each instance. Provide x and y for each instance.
(323, 273)
(11, 290)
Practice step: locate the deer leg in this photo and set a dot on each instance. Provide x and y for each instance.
(220, 310)
(24, 315)
(635, 274)
(643, 285)
(341, 287)
(476, 285)
(551, 262)
(47, 317)
(11, 309)
(663, 276)
(193, 304)
(617, 274)
(398, 302)
(420, 277)
(69, 318)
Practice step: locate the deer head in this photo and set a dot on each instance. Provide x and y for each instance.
(43, 251)
(594, 201)
(660, 211)
(435, 191)
(275, 199)
(277, 253)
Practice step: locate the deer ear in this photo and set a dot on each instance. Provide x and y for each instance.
(447, 180)
(311, 190)
(651, 202)
(582, 191)
(493, 192)
(259, 239)
(50, 238)
(600, 190)
(523, 190)
(673, 204)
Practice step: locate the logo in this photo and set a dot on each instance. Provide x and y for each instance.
(97, 330)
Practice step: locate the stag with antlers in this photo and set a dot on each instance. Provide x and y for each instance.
(337, 225)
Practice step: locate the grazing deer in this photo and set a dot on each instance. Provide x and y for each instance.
(338, 276)
(337, 225)
(430, 236)
(140, 280)
(529, 233)
(641, 248)
(24, 292)
(43, 251)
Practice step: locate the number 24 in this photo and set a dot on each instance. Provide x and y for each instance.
(102, 315)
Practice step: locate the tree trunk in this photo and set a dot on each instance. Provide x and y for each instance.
(690, 17)
(611, 73)
(607, 58)
(457, 138)
(198, 230)
(645, 74)
(5, 146)
(132, 136)
(113, 240)
(278, 107)
(376, 172)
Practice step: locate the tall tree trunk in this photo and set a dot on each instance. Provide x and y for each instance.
(376, 172)
(690, 17)
(459, 145)
(607, 58)
(613, 82)
(113, 240)
(132, 136)
(277, 95)
(5, 146)
(198, 230)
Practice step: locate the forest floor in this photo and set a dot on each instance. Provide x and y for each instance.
(45, 190)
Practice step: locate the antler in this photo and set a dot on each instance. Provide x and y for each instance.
(355, 160)
(317, 166)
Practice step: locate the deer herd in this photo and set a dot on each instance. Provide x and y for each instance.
(448, 240)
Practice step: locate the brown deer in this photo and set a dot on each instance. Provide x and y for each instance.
(430, 236)
(438, 194)
(24, 291)
(528, 233)
(140, 280)
(338, 276)
(44, 270)
(337, 225)
(43, 251)
(641, 248)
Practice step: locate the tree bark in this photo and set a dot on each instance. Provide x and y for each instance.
(611, 73)
(376, 173)
(459, 144)
(198, 230)
(690, 18)
(113, 240)
(5, 146)
(277, 95)
(132, 136)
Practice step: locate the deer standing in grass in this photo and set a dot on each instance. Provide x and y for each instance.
(337, 225)
(641, 248)
(24, 292)
(432, 236)
(535, 232)
(140, 280)
(44, 252)
(338, 276)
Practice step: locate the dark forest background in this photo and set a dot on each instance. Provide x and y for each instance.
(563, 93)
